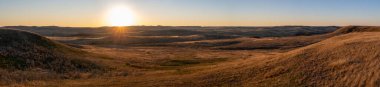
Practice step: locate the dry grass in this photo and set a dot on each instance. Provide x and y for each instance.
(345, 60)
(258, 43)
(26, 56)
(348, 60)
(347, 57)
(291, 42)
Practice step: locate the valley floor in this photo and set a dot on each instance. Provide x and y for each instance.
(134, 66)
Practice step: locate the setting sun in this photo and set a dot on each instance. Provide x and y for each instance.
(120, 16)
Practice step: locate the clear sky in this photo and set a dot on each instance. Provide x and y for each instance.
(192, 12)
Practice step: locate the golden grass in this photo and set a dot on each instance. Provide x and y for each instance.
(347, 57)
(345, 60)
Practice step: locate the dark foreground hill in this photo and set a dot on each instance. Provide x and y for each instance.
(27, 56)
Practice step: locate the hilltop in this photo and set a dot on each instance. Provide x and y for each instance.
(351, 29)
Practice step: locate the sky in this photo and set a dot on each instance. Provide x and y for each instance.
(93, 13)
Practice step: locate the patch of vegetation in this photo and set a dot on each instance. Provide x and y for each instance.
(11, 63)
(136, 66)
(184, 62)
(183, 71)
(180, 62)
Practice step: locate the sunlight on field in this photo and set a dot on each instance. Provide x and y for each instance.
(118, 34)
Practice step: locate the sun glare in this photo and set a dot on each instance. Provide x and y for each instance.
(120, 16)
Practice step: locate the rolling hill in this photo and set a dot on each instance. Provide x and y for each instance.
(27, 56)
(164, 35)
(274, 42)
(348, 59)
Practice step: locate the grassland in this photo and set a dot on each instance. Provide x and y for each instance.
(192, 58)
(27, 56)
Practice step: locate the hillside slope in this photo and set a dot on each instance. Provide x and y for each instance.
(23, 53)
(346, 60)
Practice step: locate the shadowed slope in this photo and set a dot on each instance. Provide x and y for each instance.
(20, 50)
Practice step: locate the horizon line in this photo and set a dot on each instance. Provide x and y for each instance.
(176, 26)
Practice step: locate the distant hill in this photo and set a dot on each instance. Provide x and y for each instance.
(350, 29)
(21, 53)
(277, 31)
(158, 35)
(290, 42)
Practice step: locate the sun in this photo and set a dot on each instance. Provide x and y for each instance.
(120, 16)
